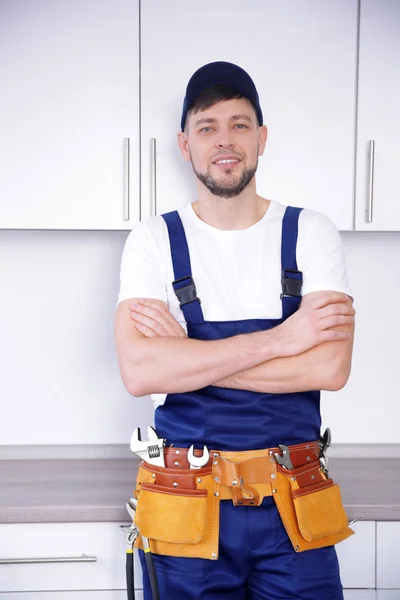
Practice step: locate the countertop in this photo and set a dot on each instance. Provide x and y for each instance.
(94, 490)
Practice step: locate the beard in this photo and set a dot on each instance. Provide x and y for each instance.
(230, 188)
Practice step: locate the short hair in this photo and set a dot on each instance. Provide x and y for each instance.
(216, 93)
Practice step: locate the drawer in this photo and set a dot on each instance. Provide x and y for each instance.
(104, 541)
(388, 595)
(359, 594)
(357, 556)
(388, 555)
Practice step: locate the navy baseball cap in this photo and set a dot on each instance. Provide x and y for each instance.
(220, 73)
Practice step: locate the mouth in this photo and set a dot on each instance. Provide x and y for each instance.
(227, 162)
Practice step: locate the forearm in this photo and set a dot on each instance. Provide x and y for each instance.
(299, 373)
(324, 367)
(172, 365)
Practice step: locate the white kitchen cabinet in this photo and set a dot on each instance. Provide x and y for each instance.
(70, 99)
(388, 555)
(302, 57)
(378, 116)
(388, 595)
(357, 557)
(105, 541)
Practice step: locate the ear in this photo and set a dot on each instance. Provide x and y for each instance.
(184, 145)
(262, 139)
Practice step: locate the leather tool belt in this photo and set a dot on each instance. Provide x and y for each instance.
(178, 507)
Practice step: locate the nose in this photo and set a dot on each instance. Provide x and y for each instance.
(225, 139)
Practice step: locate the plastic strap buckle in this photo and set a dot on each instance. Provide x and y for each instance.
(290, 286)
(185, 293)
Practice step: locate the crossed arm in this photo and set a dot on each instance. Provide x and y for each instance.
(311, 350)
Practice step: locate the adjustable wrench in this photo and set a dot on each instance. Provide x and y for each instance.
(196, 462)
(151, 451)
(284, 460)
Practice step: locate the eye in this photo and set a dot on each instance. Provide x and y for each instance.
(241, 126)
(205, 129)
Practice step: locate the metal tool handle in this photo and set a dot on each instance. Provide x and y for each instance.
(127, 179)
(153, 163)
(371, 180)
(52, 559)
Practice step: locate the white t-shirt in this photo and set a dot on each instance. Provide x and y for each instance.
(237, 273)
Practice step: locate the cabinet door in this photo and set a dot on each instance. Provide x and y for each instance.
(103, 543)
(70, 97)
(388, 594)
(378, 117)
(388, 555)
(357, 557)
(302, 57)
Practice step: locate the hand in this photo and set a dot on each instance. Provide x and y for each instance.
(152, 318)
(315, 323)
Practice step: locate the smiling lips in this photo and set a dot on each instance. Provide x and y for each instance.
(227, 161)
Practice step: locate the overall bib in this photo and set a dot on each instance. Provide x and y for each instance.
(256, 558)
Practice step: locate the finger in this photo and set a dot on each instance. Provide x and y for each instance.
(335, 321)
(164, 318)
(339, 308)
(335, 336)
(147, 332)
(326, 298)
(153, 324)
(153, 303)
(168, 322)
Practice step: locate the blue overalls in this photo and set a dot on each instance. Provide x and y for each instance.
(256, 558)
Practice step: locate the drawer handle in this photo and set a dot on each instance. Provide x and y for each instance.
(127, 182)
(371, 180)
(54, 559)
(153, 161)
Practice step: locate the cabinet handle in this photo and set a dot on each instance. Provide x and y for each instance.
(371, 180)
(127, 182)
(55, 559)
(153, 197)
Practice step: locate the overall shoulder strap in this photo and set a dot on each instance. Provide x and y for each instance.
(292, 278)
(184, 287)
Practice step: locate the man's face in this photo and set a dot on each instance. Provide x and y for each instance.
(223, 143)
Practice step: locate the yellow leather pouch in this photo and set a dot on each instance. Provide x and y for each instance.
(313, 515)
(319, 510)
(181, 520)
(176, 516)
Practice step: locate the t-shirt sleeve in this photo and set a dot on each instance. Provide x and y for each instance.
(320, 255)
(142, 273)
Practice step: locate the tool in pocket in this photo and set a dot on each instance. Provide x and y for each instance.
(151, 451)
(284, 459)
(197, 462)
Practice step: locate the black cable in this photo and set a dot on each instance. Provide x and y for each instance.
(152, 574)
(130, 579)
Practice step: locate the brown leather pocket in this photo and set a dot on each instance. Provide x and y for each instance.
(319, 510)
(171, 515)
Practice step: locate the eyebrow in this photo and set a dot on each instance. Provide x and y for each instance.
(233, 118)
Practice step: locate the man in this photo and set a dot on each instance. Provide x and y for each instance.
(232, 367)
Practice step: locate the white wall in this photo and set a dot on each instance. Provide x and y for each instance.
(59, 379)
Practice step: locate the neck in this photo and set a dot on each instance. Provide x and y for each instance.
(239, 212)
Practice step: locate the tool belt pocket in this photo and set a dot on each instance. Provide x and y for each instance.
(319, 510)
(177, 511)
(311, 508)
(171, 515)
